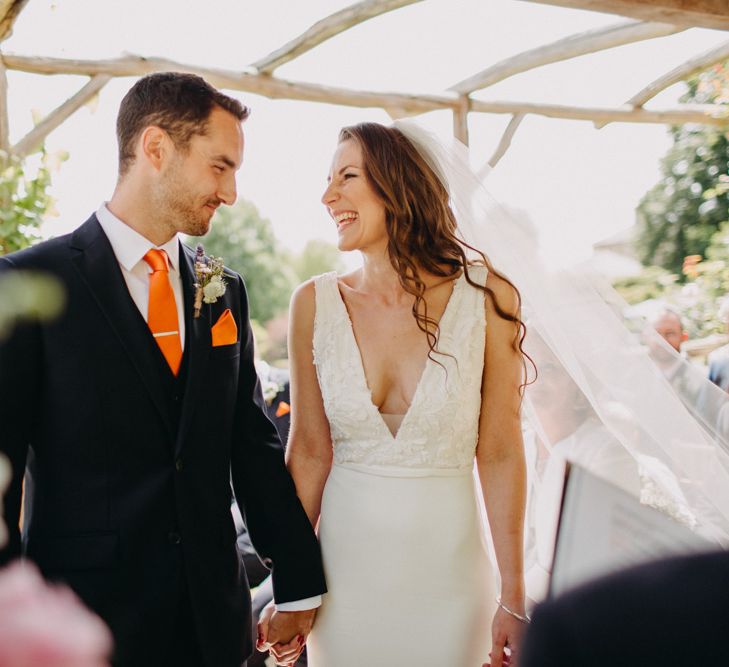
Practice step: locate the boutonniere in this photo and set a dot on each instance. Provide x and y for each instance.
(209, 280)
(270, 390)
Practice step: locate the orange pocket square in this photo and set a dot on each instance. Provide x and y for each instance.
(225, 331)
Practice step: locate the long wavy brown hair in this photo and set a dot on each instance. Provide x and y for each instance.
(421, 226)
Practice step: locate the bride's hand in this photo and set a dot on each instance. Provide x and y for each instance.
(283, 634)
(506, 633)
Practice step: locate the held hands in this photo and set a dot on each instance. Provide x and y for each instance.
(506, 632)
(284, 633)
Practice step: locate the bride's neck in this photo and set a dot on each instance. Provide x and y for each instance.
(378, 275)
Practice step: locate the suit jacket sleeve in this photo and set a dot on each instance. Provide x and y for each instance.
(20, 360)
(278, 525)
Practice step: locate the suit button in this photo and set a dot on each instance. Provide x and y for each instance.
(179, 465)
(174, 537)
(267, 562)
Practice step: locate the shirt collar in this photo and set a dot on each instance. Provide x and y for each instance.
(130, 246)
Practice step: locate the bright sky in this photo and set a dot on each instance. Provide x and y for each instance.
(577, 183)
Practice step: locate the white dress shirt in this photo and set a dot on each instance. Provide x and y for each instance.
(129, 248)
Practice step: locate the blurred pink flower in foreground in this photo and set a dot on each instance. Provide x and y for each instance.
(44, 625)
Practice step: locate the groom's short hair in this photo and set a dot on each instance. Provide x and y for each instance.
(178, 103)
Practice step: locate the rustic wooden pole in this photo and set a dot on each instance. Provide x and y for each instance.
(33, 140)
(563, 49)
(460, 119)
(506, 139)
(326, 29)
(4, 120)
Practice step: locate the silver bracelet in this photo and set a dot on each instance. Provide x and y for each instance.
(518, 617)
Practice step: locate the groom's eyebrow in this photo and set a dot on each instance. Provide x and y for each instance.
(225, 160)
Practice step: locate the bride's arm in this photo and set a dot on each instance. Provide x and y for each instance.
(500, 457)
(309, 452)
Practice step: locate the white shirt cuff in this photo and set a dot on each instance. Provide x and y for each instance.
(300, 605)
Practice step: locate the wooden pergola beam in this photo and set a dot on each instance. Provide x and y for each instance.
(506, 138)
(697, 13)
(9, 10)
(258, 84)
(32, 141)
(706, 114)
(326, 29)
(681, 73)
(275, 88)
(4, 119)
(460, 119)
(573, 46)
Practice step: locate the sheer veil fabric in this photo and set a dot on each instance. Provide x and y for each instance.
(603, 396)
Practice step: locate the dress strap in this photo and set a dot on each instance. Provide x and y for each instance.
(327, 310)
(478, 273)
(327, 293)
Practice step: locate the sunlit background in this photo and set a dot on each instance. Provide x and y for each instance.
(578, 184)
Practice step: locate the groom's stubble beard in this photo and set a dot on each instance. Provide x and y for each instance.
(176, 205)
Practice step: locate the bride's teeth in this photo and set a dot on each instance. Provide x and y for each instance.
(345, 217)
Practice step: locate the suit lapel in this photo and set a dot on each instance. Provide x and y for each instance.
(198, 343)
(99, 269)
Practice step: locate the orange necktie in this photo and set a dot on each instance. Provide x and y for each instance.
(162, 314)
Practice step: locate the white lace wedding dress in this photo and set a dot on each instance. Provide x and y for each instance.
(409, 579)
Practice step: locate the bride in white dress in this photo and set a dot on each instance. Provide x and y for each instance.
(403, 373)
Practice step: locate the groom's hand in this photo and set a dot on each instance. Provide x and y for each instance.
(283, 633)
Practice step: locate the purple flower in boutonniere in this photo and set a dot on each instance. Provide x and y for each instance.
(209, 280)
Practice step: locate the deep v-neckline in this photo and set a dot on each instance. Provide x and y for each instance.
(357, 353)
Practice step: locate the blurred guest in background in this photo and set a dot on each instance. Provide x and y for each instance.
(719, 358)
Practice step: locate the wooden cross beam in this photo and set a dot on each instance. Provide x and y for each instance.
(688, 13)
(326, 29)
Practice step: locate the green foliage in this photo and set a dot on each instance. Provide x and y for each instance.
(24, 199)
(316, 258)
(28, 296)
(247, 245)
(702, 300)
(652, 283)
(24, 202)
(681, 213)
(705, 293)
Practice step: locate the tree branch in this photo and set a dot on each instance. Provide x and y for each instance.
(506, 139)
(4, 120)
(563, 49)
(275, 88)
(326, 29)
(460, 119)
(32, 141)
(681, 73)
(689, 13)
(705, 114)
(9, 10)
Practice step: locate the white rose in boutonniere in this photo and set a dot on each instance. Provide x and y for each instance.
(270, 390)
(213, 290)
(209, 280)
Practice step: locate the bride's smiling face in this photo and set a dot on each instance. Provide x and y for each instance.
(352, 202)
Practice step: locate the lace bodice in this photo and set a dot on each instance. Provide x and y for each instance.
(440, 429)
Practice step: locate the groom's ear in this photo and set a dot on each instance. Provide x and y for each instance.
(154, 144)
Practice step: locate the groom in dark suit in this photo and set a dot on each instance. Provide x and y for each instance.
(134, 409)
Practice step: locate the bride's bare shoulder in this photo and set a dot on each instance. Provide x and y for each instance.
(303, 302)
